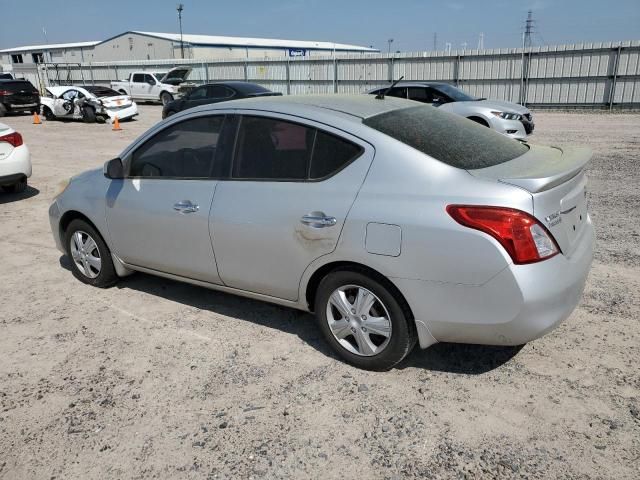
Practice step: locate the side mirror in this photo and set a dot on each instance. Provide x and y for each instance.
(151, 81)
(114, 169)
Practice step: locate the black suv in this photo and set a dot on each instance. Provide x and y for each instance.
(18, 96)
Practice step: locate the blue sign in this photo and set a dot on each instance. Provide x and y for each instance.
(297, 52)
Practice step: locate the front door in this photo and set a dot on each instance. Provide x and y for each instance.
(158, 217)
(291, 188)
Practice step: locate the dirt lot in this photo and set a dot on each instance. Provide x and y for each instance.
(156, 379)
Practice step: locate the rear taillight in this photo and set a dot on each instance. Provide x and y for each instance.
(14, 139)
(5, 92)
(522, 236)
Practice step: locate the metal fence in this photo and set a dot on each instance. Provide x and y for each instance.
(596, 75)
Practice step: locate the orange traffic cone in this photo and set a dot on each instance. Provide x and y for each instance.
(116, 124)
(36, 119)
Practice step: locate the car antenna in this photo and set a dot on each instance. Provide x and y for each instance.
(380, 96)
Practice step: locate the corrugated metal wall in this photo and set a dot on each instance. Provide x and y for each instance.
(586, 75)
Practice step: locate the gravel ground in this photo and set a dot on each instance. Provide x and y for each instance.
(156, 379)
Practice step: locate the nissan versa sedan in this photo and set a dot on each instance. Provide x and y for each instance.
(393, 222)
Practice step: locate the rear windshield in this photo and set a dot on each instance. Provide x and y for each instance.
(450, 138)
(17, 85)
(99, 91)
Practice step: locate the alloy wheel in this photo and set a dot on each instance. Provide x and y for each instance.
(85, 254)
(359, 320)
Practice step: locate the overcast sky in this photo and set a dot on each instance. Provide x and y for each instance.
(411, 23)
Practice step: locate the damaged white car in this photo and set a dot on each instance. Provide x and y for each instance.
(89, 103)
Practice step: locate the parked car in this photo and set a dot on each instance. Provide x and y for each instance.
(507, 118)
(149, 86)
(15, 160)
(18, 96)
(392, 222)
(214, 93)
(89, 103)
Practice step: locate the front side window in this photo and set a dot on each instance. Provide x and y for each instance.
(420, 94)
(400, 92)
(188, 149)
(269, 148)
(71, 94)
(149, 79)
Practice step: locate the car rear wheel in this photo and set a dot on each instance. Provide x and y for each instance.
(362, 320)
(166, 97)
(47, 113)
(90, 257)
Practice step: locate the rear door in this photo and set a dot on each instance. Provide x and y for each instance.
(291, 189)
(158, 216)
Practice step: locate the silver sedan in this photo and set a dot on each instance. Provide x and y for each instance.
(395, 223)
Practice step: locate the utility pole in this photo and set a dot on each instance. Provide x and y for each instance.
(180, 9)
(481, 41)
(389, 42)
(528, 29)
(435, 41)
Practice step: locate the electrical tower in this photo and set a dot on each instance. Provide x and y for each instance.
(481, 41)
(528, 30)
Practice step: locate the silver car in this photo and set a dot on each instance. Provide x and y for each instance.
(504, 117)
(394, 223)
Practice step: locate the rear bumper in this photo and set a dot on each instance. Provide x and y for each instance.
(16, 166)
(520, 304)
(123, 114)
(13, 106)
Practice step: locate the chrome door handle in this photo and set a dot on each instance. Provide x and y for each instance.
(318, 220)
(185, 206)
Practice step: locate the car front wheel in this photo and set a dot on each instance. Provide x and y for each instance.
(90, 257)
(363, 321)
(166, 98)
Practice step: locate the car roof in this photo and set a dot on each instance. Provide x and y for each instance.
(57, 91)
(360, 106)
(416, 83)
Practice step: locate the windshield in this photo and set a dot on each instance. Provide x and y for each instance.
(159, 75)
(450, 138)
(456, 94)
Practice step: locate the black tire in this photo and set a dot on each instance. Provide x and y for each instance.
(107, 274)
(480, 121)
(166, 97)
(48, 114)
(169, 113)
(403, 334)
(3, 110)
(19, 187)
(88, 115)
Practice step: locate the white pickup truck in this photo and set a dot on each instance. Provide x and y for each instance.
(153, 86)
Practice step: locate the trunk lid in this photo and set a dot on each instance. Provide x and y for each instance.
(555, 178)
(116, 102)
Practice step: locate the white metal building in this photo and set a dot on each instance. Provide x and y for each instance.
(135, 45)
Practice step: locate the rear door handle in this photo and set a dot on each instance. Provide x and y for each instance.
(318, 220)
(185, 206)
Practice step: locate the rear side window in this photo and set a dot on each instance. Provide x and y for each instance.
(188, 149)
(274, 149)
(138, 78)
(450, 138)
(331, 154)
(268, 148)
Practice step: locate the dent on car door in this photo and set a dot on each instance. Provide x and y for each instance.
(291, 189)
(158, 216)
